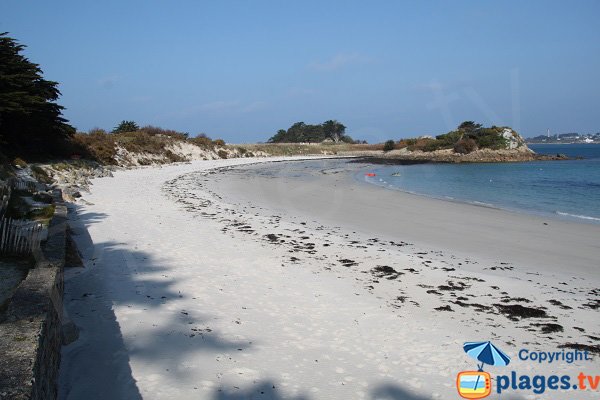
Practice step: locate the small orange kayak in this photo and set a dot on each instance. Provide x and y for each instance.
(370, 174)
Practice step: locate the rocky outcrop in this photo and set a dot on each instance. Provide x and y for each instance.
(515, 150)
(447, 156)
(513, 139)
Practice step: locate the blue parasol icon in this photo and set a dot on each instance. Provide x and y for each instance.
(487, 353)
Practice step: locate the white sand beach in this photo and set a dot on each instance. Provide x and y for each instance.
(209, 284)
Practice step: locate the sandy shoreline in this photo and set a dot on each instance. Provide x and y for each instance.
(194, 288)
(547, 244)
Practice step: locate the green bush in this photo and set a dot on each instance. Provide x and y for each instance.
(489, 138)
(222, 153)
(40, 174)
(449, 138)
(126, 126)
(468, 137)
(433, 145)
(389, 145)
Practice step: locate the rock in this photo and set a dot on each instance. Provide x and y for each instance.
(43, 197)
(513, 139)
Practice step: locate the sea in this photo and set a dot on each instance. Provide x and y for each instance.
(568, 189)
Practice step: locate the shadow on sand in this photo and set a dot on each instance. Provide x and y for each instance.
(97, 365)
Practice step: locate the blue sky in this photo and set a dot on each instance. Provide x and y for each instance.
(240, 70)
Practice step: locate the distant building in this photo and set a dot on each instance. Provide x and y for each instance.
(568, 136)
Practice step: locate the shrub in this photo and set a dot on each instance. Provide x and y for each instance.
(126, 126)
(44, 213)
(19, 162)
(389, 145)
(141, 142)
(450, 138)
(465, 146)
(222, 153)
(202, 141)
(219, 142)
(100, 145)
(40, 174)
(490, 138)
(433, 145)
(154, 131)
(174, 157)
(424, 144)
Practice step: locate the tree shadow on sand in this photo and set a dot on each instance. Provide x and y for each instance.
(264, 390)
(97, 365)
(392, 391)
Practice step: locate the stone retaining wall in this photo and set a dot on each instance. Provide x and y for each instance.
(30, 337)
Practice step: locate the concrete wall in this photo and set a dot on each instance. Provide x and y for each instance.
(30, 337)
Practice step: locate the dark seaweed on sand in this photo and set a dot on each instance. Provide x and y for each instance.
(550, 328)
(517, 311)
(594, 349)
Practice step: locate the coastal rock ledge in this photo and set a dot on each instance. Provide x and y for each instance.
(513, 149)
(520, 154)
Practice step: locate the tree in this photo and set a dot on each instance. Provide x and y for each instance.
(301, 132)
(126, 126)
(389, 145)
(31, 121)
(334, 130)
(469, 126)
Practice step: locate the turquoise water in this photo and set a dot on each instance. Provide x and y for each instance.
(566, 189)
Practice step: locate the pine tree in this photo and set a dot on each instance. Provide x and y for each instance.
(126, 126)
(31, 121)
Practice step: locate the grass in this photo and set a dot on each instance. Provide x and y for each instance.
(40, 174)
(43, 214)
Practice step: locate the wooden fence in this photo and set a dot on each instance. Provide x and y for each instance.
(19, 237)
(18, 184)
(5, 192)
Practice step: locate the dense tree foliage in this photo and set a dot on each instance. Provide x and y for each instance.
(305, 133)
(31, 121)
(389, 145)
(126, 126)
(468, 137)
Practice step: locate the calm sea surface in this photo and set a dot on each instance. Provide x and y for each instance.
(565, 189)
